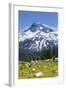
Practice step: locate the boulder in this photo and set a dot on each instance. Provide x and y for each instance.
(39, 74)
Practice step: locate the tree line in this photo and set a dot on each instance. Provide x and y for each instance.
(45, 53)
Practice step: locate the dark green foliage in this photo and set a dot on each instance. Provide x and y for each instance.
(45, 53)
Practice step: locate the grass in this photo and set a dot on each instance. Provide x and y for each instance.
(49, 68)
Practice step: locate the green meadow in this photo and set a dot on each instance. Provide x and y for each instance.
(37, 69)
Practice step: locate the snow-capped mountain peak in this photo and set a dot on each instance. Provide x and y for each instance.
(38, 36)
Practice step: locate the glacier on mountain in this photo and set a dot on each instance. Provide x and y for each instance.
(38, 36)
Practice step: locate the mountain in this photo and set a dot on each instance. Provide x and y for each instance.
(37, 37)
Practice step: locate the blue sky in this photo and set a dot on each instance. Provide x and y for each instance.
(26, 18)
